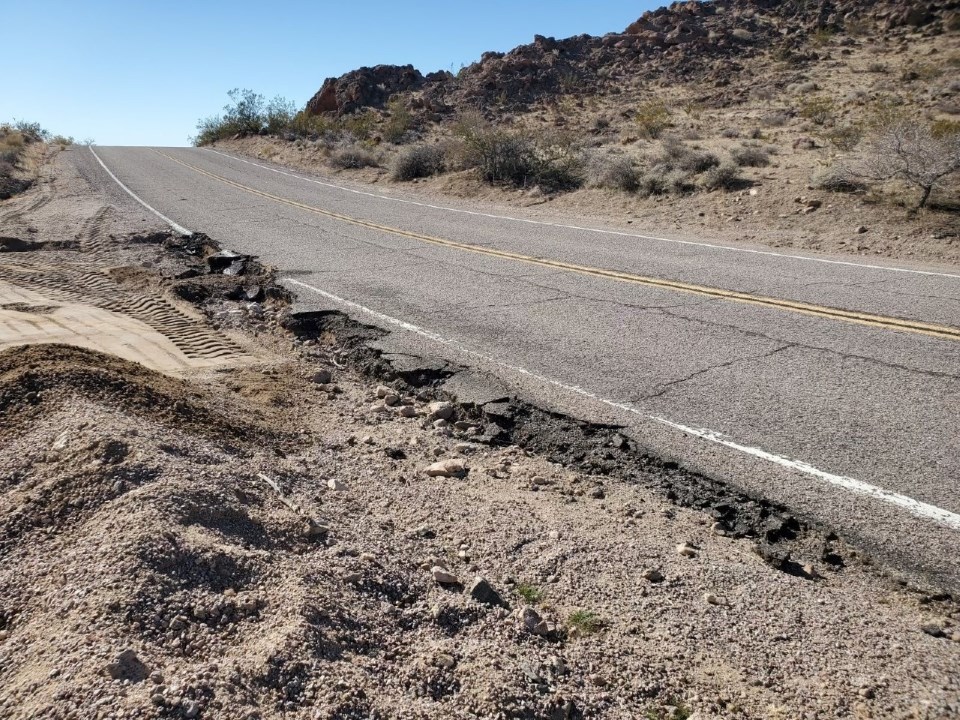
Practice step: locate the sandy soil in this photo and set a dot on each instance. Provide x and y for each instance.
(263, 540)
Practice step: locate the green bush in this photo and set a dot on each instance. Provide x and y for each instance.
(505, 157)
(248, 113)
(417, 162)
(399, 123)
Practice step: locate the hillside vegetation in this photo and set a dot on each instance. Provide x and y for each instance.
(846, 105)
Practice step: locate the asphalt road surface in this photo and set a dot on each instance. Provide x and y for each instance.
(829, 384)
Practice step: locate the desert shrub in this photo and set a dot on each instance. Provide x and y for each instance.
(776, 119)
(417, 162)
(877, 67)
(652, 182)
(731, 133)
(62, 140)
(613, 172)
(750, 156)
(652, 119)
(351, 158)
(399, 123)
(247, 113)
(945, 128)
(360, 125)
(514, 158)
(307, 125)
(908, 150)
(679, 182)
(278, 115)
(723, 177)
(818, 110)
(674, 155)
(844, 137)
(837, 178)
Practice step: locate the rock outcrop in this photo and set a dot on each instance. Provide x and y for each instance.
(703, 41)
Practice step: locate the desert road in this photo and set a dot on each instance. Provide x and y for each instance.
(828, 384)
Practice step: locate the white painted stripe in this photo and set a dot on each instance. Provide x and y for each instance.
(712, 246)
(179, 229)
(915, 507)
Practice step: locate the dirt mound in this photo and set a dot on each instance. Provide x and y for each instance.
(33, 379)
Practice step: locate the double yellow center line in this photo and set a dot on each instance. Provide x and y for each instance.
(878, 321)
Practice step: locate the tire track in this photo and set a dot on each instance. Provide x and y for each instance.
(73, 283)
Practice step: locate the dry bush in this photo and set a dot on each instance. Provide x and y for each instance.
(400, 122)
(351, 158)
(837, 178)
(750, 156)
(417, 162)
(909, 151)
(652, 119)
(723, 177)
(844, 137)
(731, 133)
(612, 172)
(674, 155)
(818, 110)
(778, 118)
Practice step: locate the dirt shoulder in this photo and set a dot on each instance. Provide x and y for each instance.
(268, 534)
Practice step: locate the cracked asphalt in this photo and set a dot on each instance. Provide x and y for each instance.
(857, 401)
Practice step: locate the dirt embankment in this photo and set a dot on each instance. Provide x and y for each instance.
(298, 531)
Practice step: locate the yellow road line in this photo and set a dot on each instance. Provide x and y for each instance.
(880, 321)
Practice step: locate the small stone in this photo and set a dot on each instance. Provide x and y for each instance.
(443, 577)
(444, 660)
(483, 592)
(391, 400)
(336, 485)
(352, 578)
(530, 619)
(653, 575)
(314, 529)
(861, 229)
(367, 440)
(192, 709)
(407, 411)
(127, 666)
(448, 468)
(156, 677)
(383, 391)
(598, 680)
(867, 693)
(686, 550)
(440, 410)
(597, 493)
(158, 699)
(322, 377)
(711, 599)
(719, 528)
(932, 629)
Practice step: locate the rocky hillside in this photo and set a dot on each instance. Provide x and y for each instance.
(709, 42)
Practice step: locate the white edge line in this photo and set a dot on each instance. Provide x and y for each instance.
(713, 246)
(915, 507)
(179, 229)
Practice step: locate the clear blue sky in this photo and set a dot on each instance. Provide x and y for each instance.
(137, 73)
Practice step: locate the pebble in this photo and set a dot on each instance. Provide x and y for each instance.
(336, 485)
(448, 468)
(482, 591)
(391, 400)
(352, 578)
(383, 391)
(711, 599)
(686, 550)
(407, 411)
(192, 709)
(444, 660)
(653, 575)
(322, 377)
(440, 410)
(932, 629)
(442, 576)
(861, 229)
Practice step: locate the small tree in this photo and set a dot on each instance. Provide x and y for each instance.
(907, 150)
